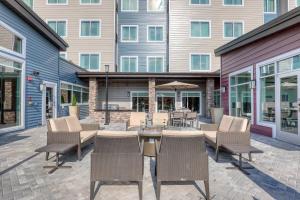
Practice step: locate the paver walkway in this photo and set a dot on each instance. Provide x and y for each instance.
(276, 174)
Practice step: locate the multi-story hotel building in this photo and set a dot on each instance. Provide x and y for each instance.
(151, 42)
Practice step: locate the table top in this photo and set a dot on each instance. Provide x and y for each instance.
(150, 132)
(56, 148)
(236, 148)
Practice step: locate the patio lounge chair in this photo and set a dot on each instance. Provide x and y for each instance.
(160, 119)
(182, 156)
(69, 130)
(136, 121)
(232, 130)
(118, 156)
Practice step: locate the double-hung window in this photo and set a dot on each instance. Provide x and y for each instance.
(29, 3)
(129, 33)
(63, 55)
(155, 5)
(129, 63)
(155, 33)
(58, 2)
(270, 6)
(90, 61)
(200, 62)
(90, 2)
(298, 2)
(199, 2)
(129, 5)
(233, 29)
(59, 26)
(233, 2)
(155, 64)
(200, 29)
(90, 28)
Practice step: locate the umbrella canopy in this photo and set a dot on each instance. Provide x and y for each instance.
(176, 85)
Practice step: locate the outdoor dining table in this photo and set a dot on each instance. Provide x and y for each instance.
(149, 135)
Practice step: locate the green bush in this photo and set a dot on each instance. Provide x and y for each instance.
(74, 101)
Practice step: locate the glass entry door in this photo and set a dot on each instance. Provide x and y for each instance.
(288, 126)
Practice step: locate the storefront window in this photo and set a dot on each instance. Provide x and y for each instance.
(68, 90)
(240, 95)
(140, 101)
(166, 101)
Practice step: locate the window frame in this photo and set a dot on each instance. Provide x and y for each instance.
(90, 53)
(137, 33)
(200, 20)
(57, 20)
(72, 84)
(156, 11)
(131, 96)
(275, 8)
(136, 66)
(90, 20)
(233, 22)
(209, 3)
(156, 26)
(234, 5)
(57, 4)
(197, 53)
(90, 4)
(157, 92)
(122, 10)
(163, 63)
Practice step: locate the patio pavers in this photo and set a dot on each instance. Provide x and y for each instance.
(276, 174)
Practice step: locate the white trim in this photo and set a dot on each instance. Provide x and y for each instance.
(233, 22)
(156, 26)
(91, 20)
(136, 91)
(57, 4)
(89, 53)
(15, 32)
(163, 64)
(54, 87)
(122, 10)
(23, 93)
(59, 20)
(233, 5)
(72, 84)
(137, 33)
(280, 57)
(200, 20)
(90, 4)
(200, 102)
(198, 53)
(137, 62)
(156, 11)
(196, 5)
(164, 91)
(65, 53)
(275, 8)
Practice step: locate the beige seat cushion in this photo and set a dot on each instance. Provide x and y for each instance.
(86, 135)
(159, 119)
(211, 135)
(225, 123)
(238, 125)
(181, 133)
(117, 133)
(137, 118)
(73, 124)
(59, 125)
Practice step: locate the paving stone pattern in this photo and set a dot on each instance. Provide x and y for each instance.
(276, 174)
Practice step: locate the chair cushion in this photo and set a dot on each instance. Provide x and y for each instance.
(73, 124)
(238, 125)
(136, 118)
(117, 133)
(86, 135)
(159, 119)
(225, 123)
(181, 133)
(59, 125)
(211, 135)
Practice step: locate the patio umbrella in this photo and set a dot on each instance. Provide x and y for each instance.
(176, 85)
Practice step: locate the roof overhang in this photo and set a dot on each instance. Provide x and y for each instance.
(30, 17)
(280, 23)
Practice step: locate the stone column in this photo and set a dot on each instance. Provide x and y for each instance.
(210, 86)
(93, 93)
(151, 89)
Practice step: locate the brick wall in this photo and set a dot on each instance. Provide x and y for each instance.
(210, 86)
(93, 92)
(151, 95)
(115, 116)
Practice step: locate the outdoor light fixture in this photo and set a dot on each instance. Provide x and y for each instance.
(42, 87)
(106, 91)
(128, 94)
(223, 89)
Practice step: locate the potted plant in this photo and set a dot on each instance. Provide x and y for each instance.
(73, 108)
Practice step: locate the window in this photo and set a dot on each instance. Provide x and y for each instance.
(90, 28)
(200, 29)
(233, 29)
(129, 6)
(155, 5)
(217, 98)
(155, 34)
(59, 26)
(10, 40)
(233, 2)
(200, 62)
(129, 63)
(191, 101)
(270, 6)
(29, 3)
(90, 62)
(90, 2)
(289, 64)
(68, 90)
(140, 101)
(267, 93)
(155, 64)
(62, 2)
(63, 55)
(165, 101)
(199, 2)
(298, 2)
(129, 33)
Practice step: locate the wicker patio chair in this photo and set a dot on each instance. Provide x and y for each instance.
(190, 118)
(177, 118)
(136, 121)
(160, 119)
(231, 130)
(69, 130)
(117, 156)
(182, 156)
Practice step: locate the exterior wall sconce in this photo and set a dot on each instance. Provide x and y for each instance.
(128, 94)
(42, 87)
(252, 84)
(223, 89)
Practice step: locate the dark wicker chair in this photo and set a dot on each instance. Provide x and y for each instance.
(118, 156)
(182, 157)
